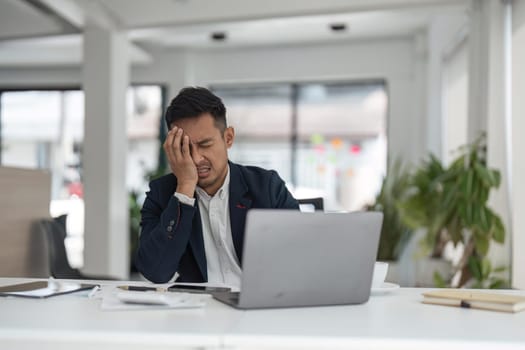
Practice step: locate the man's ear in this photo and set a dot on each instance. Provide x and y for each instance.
(229, 136)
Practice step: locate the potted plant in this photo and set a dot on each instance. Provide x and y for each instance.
(450, 203)
(395, 234)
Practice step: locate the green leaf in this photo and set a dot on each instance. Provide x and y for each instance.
(484, 175)
(497, 178)
(476, 214)
(469, 219)
(482, 244)
(439, 281)
(477, 185)
(455, 230)
(394, 232)
(486, 268)
(498, 229)
(500, 269)
(483, 195)
(463, 181)
(449, 195)
(462, 210)
(498, 284)
(484, 222)
(469, 183)
(475, 267)
(458, 163)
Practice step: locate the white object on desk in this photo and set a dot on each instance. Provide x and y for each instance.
(384, 288)
(379, 275)
(116, 299)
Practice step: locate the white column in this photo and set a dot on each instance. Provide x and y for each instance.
(419, 100)
(487, 104)
(478, 42)
(105, 81)
(434, 124)
(455, 101)
(442, 31)
(518, 143)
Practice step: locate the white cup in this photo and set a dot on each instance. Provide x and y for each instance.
(380, 270)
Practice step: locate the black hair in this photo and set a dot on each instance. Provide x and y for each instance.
(192, 102)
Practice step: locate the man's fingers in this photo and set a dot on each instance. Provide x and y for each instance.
(168, 148)
(186, 146)
(178, 150)
(177, 139)
(176, 145)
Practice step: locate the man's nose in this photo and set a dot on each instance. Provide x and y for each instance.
(196, 155)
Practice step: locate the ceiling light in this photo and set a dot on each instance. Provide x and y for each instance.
(338, 27)
(218, 36)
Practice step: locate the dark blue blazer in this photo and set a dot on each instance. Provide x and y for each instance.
(171, 237)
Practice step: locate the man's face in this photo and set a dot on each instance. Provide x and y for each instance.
(209, 150)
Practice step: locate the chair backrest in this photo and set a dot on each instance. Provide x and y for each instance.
(54, 230)
(55, 234)
(317, 203)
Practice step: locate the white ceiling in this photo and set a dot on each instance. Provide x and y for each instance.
(49, 32)
(19, 19)
(304, 29)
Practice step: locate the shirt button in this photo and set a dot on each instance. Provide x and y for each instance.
(170, 228)
(172, 222)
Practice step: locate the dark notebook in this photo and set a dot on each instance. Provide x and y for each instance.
(43, 289)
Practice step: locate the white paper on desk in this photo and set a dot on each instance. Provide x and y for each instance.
(110, 301)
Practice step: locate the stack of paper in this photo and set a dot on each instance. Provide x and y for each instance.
(115, 299)
(477, 300)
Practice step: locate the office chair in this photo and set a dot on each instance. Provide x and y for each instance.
(317, 203)
(54, 231)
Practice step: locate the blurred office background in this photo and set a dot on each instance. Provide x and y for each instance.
(325, 92)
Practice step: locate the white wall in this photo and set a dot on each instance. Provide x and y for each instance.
(168, 68)
(518, 143)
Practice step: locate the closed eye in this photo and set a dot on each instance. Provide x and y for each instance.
(205, 143)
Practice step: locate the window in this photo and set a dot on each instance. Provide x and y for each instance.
(324, 139)
(45, 129)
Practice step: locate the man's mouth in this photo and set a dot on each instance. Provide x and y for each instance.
(203, 171)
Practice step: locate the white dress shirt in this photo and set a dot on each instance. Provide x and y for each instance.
(221, 259)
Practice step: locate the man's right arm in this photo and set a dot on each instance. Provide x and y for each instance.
(164, 236)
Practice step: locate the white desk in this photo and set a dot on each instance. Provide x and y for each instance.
(395, 321)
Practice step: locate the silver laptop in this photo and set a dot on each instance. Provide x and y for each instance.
(293, 259)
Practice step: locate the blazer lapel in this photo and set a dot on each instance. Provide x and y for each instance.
(197, 244)
(240, 203)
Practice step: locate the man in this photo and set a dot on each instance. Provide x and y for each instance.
(193, 219)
